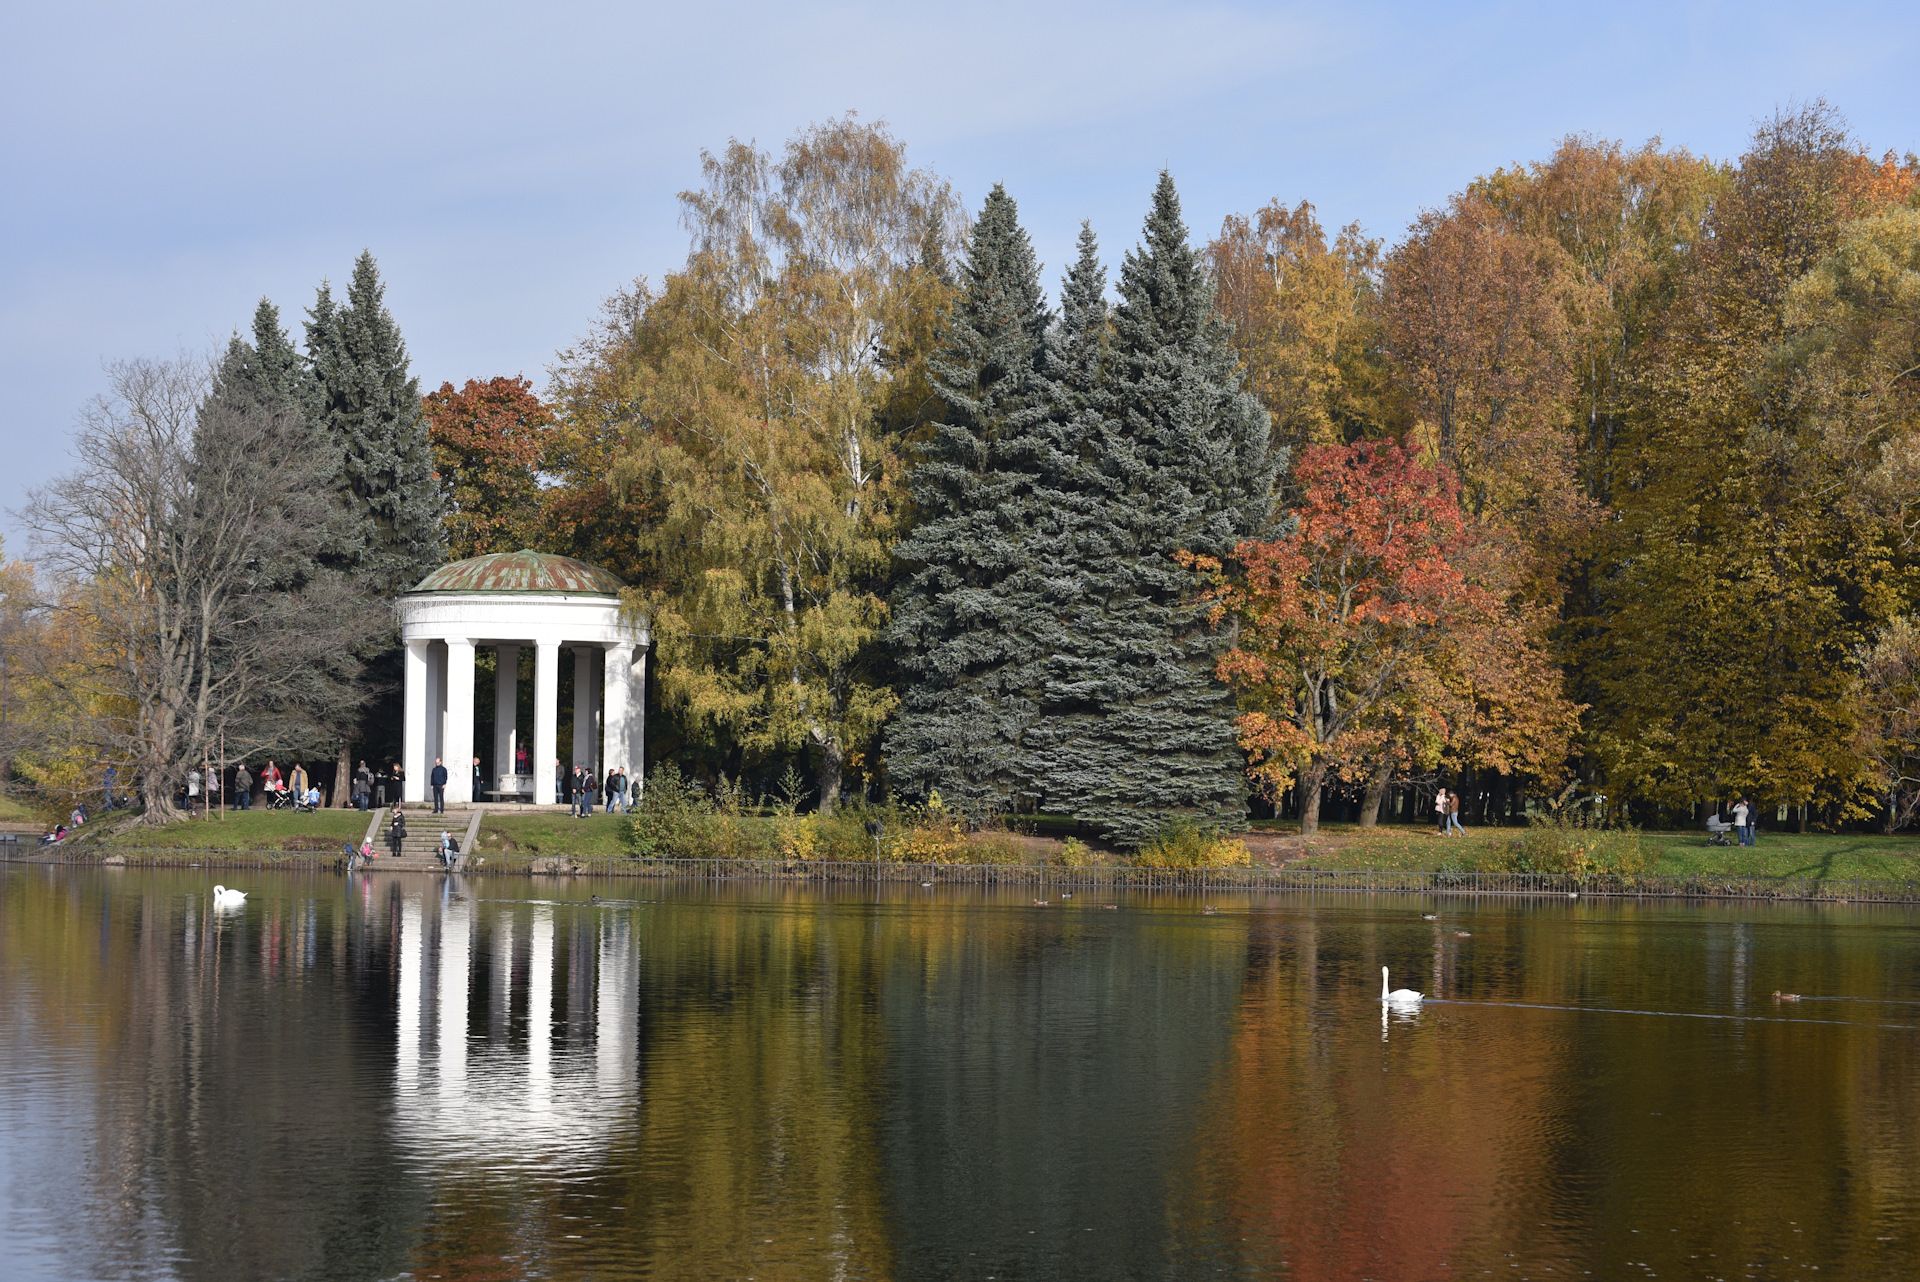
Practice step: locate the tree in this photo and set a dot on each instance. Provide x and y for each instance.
(1746, 567)
(1179, 458)
(188, 539)
(964, 615)
(489, 442)
(1363, 620)
(366, 407)
(1304, 322)
(766, 363)
(1888, 716)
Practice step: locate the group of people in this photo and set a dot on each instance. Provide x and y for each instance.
(581, 789)
(1746, 816)
(1447, 806)
(370, 790)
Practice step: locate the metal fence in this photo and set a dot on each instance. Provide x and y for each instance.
(1043, 879)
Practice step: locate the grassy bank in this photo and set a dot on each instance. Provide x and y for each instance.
(1816, 855)
(240, 830)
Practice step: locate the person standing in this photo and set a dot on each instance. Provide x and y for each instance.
(243, 788)
(1440, 809)
(397, 831)
(363, 785)
(438, 782)
(478, 791)
(297, 782)
(584, 786)
(270, 777)
(1453, 814)
(396, 782)
(1741, 814)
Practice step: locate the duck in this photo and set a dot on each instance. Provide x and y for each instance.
(1779, 996)
(225, 897)
(1039, 903)
(1066, 894)
(1463, 934)
(1429, 916)
(1208, 911)
(1115, 907)
(1397, 996)
(926, 883)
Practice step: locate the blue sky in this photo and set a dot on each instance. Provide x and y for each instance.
(166, 165)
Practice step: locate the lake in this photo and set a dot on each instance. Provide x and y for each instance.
(403, 1076)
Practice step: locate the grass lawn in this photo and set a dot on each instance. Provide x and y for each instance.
(243, 830)
(552, 834)
(1819, 855)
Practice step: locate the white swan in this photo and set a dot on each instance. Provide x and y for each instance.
(226, 898)
(1398, 996)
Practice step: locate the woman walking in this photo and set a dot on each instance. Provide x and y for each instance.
(1440, 809)
(397, 831)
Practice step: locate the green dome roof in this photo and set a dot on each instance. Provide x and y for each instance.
(522, 571)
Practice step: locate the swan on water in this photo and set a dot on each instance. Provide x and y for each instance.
(1397, 996)
(229, 898)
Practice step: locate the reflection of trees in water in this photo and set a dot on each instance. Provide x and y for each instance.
(239, 1121)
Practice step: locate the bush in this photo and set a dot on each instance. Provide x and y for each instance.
(1577, 844)
(674, 820)
(1181, 843)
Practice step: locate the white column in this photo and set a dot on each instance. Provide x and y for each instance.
(506, 709)
(414, 753)
(437, 703)
(546, 718)
(613, 698)
(459, 740)
(583, 704)
(637, 722)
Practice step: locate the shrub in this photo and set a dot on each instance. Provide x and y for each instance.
(1577, 844)
(1181, 843)
(1075, 853)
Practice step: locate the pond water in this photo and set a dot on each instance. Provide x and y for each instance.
(404, 1076)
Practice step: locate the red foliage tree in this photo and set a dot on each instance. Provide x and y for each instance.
(489, 443)
(1364, 615)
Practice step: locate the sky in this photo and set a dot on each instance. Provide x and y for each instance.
(510, 166)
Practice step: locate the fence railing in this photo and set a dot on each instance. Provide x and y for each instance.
(1050, 877)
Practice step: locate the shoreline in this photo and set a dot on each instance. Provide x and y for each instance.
(1041, 876)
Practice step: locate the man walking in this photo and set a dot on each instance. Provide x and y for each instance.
(438, 782)
(243, 788)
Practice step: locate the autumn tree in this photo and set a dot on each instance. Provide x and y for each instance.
(772, 479)
(1748, 563)
(1363, 620)
(1304, 322)
(1888, 719)
(489, 440)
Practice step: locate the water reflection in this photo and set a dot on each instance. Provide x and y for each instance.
(355, 1078)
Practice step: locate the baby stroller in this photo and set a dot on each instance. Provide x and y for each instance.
(1720, 832)
(281, 799)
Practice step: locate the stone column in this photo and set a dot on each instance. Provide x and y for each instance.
(546, 718)
(418, 677)
(583, 692)
(459, 739)
(613, 699)
(506, 709)
(637, 721)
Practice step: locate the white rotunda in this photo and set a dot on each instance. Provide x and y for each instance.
(511, 600)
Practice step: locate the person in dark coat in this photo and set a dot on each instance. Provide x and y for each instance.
(243, 788)
(397, 831)
(438, 782)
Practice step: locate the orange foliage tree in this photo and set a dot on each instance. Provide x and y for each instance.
(489, 443)
(1365, 609)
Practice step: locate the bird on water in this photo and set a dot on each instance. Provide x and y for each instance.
(1397, 996)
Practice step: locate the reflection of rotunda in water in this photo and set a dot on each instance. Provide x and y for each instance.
(518, 1028)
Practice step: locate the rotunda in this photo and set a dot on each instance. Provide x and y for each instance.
(510, 601)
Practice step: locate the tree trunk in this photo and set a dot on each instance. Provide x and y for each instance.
(342, 772)
(833, 759)
(1310, 780)
(1376, 791)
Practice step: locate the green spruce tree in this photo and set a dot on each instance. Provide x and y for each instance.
(366, 406)
(963, 616)
(1137, 729)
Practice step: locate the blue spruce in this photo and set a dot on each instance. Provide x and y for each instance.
(964, 614)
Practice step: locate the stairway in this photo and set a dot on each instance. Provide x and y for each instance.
(420, 849)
